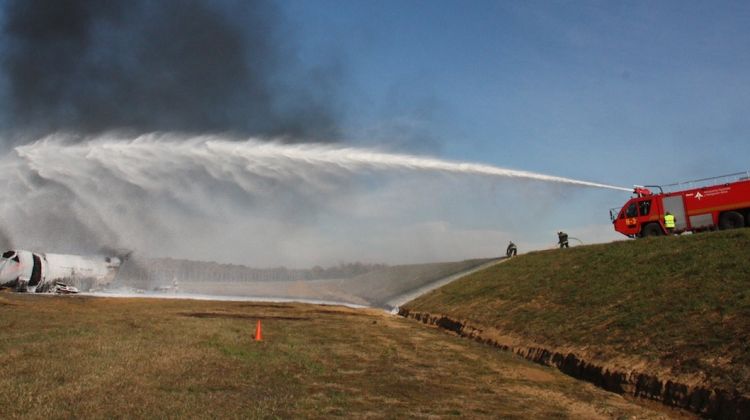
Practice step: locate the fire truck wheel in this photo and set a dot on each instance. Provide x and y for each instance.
(731, 220)
(651, 229)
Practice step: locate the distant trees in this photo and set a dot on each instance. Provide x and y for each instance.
(343, 270)
(155, 272)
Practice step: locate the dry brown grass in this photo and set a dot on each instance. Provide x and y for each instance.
(79, 356)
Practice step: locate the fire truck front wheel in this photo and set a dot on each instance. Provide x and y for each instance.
(651, 229)
(731, 220)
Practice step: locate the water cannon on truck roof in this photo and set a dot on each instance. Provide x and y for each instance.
(721, 202)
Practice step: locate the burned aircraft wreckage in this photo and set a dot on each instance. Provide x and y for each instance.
(26, 271)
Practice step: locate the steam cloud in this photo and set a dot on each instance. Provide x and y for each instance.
(141, 66)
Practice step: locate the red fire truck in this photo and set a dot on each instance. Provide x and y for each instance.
(723, 203)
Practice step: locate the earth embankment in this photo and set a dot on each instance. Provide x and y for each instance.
(665, 318)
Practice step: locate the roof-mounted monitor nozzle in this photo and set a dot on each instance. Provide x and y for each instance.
(643, 190)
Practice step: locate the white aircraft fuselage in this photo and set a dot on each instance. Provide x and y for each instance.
(26, 271)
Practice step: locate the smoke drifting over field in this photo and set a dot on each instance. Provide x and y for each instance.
(141, 66)
(251, 202)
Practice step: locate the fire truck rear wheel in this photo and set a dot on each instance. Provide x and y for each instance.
(651, 229)
(731, 220)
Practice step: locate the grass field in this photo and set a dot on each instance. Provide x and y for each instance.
(77, 356)
(670, 304)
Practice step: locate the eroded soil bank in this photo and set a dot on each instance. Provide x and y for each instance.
(706, 401)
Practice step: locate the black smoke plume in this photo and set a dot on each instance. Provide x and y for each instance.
(189, 66)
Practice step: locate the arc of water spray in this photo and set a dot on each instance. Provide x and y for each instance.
(349, 157)
(273, 155)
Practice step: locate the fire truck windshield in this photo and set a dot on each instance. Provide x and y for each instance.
(632, 210)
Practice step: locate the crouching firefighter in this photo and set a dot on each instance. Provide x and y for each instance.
(512, 251)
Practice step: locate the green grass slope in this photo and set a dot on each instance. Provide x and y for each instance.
(674, 304)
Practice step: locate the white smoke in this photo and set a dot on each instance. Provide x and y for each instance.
(253, 202)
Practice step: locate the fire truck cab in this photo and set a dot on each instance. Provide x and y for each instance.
(723, 206)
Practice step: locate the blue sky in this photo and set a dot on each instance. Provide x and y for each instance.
(616, 92)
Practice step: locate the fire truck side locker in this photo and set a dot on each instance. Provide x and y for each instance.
(676, 205)
(702, 221)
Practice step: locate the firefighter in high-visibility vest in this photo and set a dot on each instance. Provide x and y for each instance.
(669, 222)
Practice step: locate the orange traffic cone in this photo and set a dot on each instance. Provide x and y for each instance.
(258, 333)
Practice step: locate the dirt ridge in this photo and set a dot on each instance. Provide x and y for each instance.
(710, 402)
